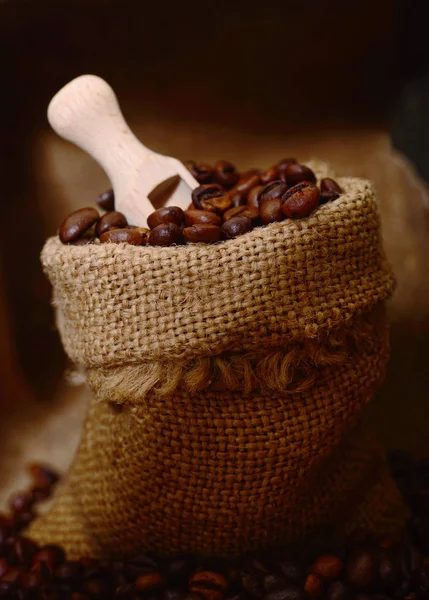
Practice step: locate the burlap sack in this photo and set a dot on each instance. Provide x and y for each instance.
(228, 383)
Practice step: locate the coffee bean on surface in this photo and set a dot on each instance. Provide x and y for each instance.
(361, 569)
(329, 190)
(253, 197)
(122, 236)
(244, 210)
(77, 223)
(240, 191)
(294, 173)
(270, 211)
(106, 200)
(300, 201)
(269, 175)
(226, 173)
(235, 227)
(202, 173)
(272, 191)
(313, 586)
(165, 234)
(201, 217)
(327, 567)
(211, 197)
(201, 233)
(166, 214)
(111, 220)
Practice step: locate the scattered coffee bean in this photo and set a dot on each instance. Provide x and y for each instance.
(111, 220)
(272, 191)
(235, 227)
(253, 197)
(122, 236)
(327, 567)
(201, 217)
(167, 214)
(300, 201)
(329, 190)
(294, 173)
(313, 586)
(165, 234)
(269, 175)
(270, 211)
(244, 210)
(202, 173)
(77, 223)
(240, 191)
(149, 581)
(200, 233)
(106, 200)
(226, 173)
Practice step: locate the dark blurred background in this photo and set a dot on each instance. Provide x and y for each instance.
(322, 70)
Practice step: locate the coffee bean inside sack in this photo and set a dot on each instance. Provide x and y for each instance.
(362, 567)
(226, 205)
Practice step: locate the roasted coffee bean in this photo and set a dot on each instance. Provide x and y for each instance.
(95, 588)
(329, 190)
(82, 241)
(202, 173)
(327, 567)
(111, 220)
(245, 211)
(253, 197)
(211, 197)
(313, 585)
(300, 201)
(77, 223)
(122, 236)
(235, 227)
(43, 476)
(292, 571)
(201, 217)
(338, 590)
(271, 174)
(38, 494)
(284, 162)
(290, 592)
(294, 174)
(240, 191)
(206, 234)
(272, 582)
(167, 214)
(106, 200)
(226, 173)
(149, 581)
(270, 211)
(210, 579)
(361, 569)
(166, 234)
(272, 191)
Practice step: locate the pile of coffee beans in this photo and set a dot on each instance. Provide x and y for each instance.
(363, 568)
(225, 205)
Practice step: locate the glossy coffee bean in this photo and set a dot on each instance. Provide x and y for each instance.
(270, 211)
(149, 581)
(204, 193)
(122, 236)
(77, 223)
(269, 175)
(253, 195)
(226, 173)
(284, 162)
(200, 233)
(240, 191)
(361, 569)
(166, 214)
(165, 234)
(327, 567)
(313, 586)
(201, 217)
(294, 174)
(300, 201)
(245, 211)
(272, 191)
(202, 173)
(211, 579)
(329, 190)
(111, 220)
(106, 200)
(235, 227)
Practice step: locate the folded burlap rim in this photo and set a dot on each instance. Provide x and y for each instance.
(270, 301)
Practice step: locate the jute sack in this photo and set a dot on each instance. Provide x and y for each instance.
(228, 383)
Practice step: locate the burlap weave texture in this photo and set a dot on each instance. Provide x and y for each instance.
(228, 382)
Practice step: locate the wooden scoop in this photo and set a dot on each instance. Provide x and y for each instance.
(86, 112)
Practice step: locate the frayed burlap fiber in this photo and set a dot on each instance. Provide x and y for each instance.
(228, 383)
